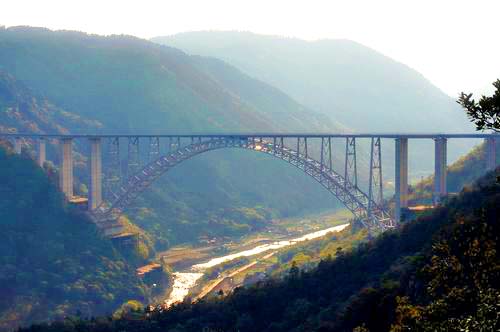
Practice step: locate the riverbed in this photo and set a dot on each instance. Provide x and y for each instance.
(184, 281)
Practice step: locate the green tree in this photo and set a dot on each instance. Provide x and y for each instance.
(485, 113)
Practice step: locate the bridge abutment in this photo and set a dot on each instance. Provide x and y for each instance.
(440, 161)
(401, 195)
(95, 186)
(66, 167)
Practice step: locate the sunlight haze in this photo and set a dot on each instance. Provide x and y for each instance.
(264, 165)
(449, 42)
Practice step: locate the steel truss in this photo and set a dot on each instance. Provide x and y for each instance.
(364, 209)
(375, 185)
(112, 170)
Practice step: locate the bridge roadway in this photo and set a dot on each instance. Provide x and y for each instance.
(295, 148)
(263, 134)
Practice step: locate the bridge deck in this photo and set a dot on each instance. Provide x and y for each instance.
(264, 134)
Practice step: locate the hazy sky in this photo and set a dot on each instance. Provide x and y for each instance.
(453, 43)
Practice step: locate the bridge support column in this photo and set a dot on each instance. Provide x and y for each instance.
(95, 186)
(401, 194)
(66, 168)
(17, 145)
(491, 158)
(41, 157)
(439, 169)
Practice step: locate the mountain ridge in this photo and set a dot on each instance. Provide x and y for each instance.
(273, 59)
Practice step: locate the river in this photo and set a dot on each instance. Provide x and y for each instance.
(184, 281)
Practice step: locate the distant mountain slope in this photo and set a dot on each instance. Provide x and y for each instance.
(53, 263)
(279, 106)
(354, 84)
(126, 84)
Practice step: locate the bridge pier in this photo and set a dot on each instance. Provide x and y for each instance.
(95, 186)
(66, 167)
(41, 157)
(491, 158)
(401, 195)
(18, 145)
(440, 169)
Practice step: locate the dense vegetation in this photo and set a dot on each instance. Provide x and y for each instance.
(441, 272)
(53, 262)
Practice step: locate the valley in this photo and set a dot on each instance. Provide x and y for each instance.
(194, 267)
(232, 181)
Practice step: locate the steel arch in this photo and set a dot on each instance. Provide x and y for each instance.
(349, 194)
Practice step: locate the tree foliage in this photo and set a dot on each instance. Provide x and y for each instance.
(485, 113)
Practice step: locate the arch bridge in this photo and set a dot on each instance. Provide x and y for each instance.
(147, 157)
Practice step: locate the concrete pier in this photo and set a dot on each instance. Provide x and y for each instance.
(41, 157)
(491, 158)
(17, 145)
(401, 176)
(440, 148)
(95, 187)
(66, 167)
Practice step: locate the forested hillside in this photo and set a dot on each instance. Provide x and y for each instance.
(438, 273)
(22, 111)
(125, 84)
(461, 173)
(53, 262)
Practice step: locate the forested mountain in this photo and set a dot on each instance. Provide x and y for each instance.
(53, 262)
(354, 84)
(125, 84)
(438, 273)
(132, 84)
